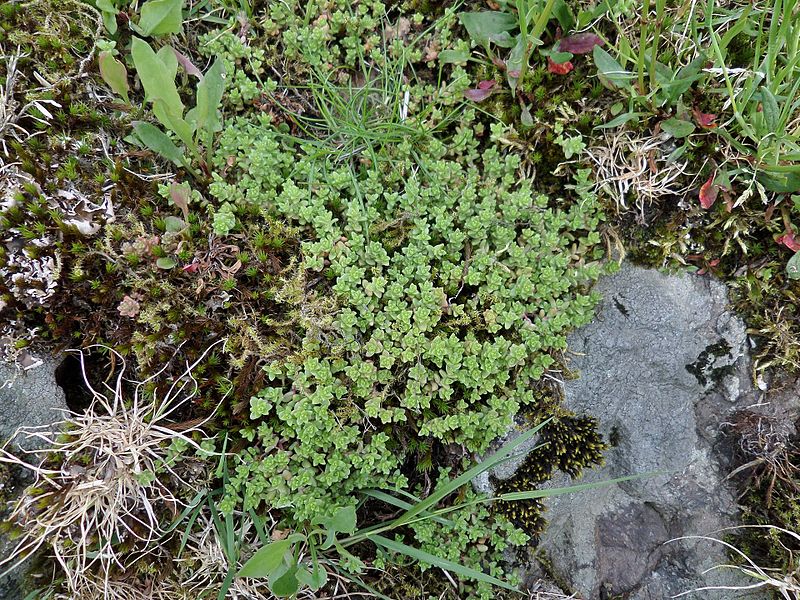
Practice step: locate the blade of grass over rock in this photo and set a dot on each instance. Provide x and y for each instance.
(503, 454)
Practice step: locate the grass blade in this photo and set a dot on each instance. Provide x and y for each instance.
(441, 563)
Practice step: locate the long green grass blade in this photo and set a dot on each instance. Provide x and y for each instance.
(441, 563)
(442, 491)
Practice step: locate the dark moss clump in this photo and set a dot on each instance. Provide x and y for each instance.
(569, 443)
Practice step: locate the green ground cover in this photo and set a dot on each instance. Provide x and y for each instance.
(336, 248)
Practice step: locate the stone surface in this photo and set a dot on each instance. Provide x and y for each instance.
(661, 367)
(30, 398)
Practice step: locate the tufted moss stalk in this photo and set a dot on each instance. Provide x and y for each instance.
(570, 444)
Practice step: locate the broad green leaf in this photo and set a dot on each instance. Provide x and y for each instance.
(266, 560)
(158, 141)
(174, 122)
(174, 224)
(677, 154)
(563, 15)
(169, 59)
(315, 578)
(425, 557)
(344, 520)
(609, 67)
(161, 17)
(489, 26)
(514, 63)
(793, 266)
(286, 585)
(166, 263)
(560, 57)
(770, 110)
(677, 128)
(155, 77)
(453, 56)
(109, 13)
(114, 74)
(209, 95)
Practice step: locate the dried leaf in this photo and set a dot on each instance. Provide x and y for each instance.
(580, 43)
(708, 192)
(559, 68)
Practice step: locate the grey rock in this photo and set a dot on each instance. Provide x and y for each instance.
(31, 398)
(661, 367)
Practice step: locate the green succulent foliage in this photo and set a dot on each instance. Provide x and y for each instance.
(472, 537)
(456, 282)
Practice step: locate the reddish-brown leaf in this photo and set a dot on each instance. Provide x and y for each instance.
(482, 92)
(559, 68)
(705, 120)
(788, 240)
(580, 43)
(180, 195)
(708, 192)
(187, 64)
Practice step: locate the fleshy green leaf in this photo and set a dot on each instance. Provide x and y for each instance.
(344, 520)
(166, 263)
(793, 266)
(677, 128)
(609, 67)
(315, 578)
(209, 95)
(155, 76)
(286, 585)
(453, 56)
(266, 560)
(161, 17)
(158, 141)
(174, 224)
(114, 74)
(167, 56)
(489, 26)
(621, 120)
(770, 110)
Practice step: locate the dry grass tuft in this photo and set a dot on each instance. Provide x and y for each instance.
(786, 584)
(105, 481)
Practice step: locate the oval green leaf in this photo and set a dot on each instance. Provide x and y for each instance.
(793, 266)
(266, 560)
(161, 17)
